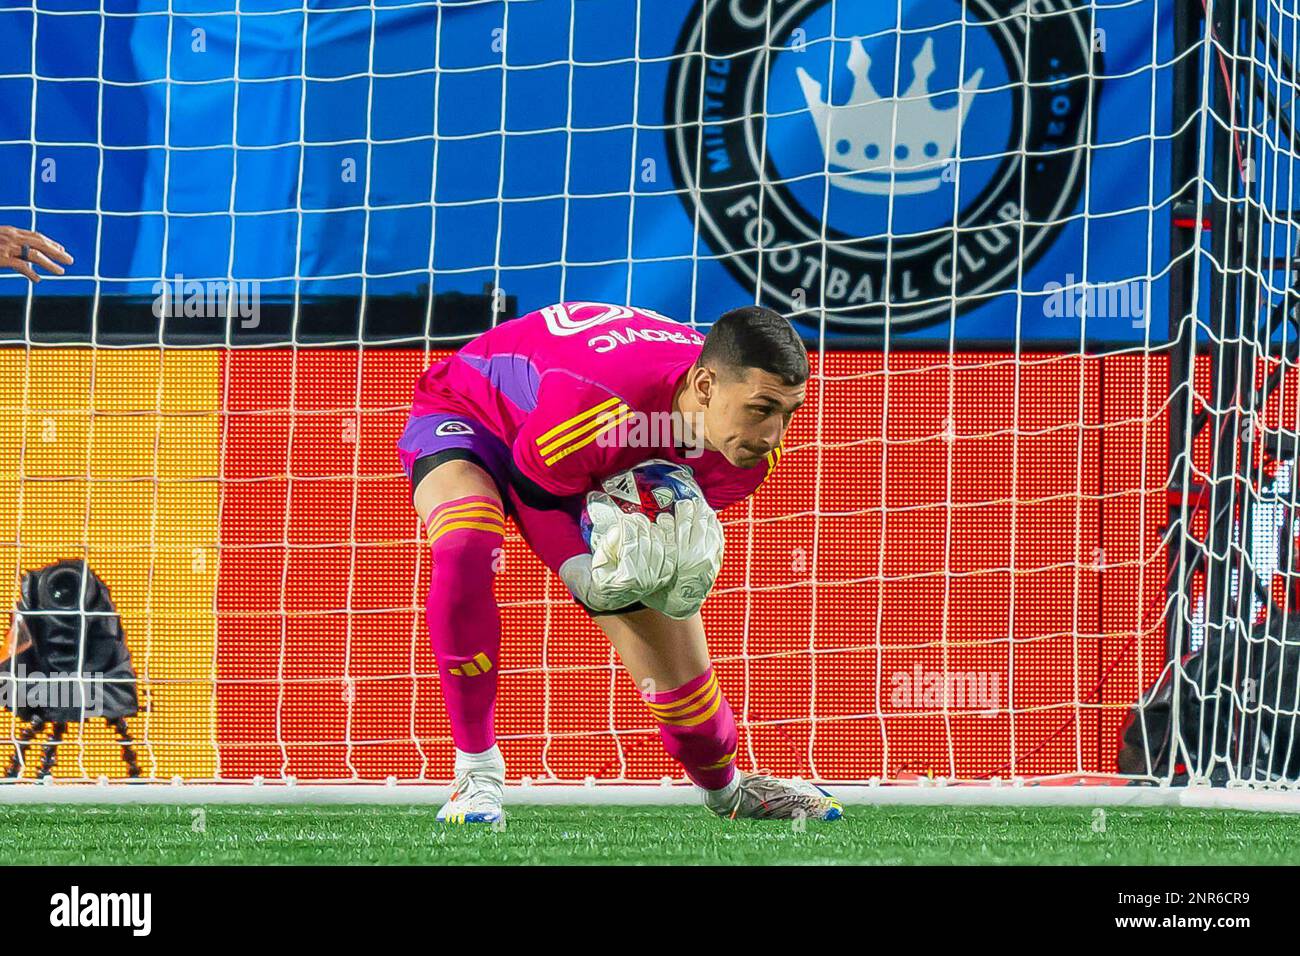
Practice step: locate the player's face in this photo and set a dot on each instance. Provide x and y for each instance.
(747, 414)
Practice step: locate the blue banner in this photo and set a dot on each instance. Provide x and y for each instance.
(963, 170)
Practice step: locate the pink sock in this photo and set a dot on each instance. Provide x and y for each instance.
(698, 729)
(464, 622)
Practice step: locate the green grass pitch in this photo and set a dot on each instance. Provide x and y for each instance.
(240, 834)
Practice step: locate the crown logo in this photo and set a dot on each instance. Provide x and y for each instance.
(876, 144)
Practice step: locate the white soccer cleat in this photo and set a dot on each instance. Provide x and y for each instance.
(476, 796)
(763, 797)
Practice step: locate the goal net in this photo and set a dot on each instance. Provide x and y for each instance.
(1040, 253)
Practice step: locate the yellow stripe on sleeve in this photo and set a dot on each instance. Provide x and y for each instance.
(599, 422)
(624, 413)
(576, 419)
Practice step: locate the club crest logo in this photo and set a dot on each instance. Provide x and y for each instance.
(887, 145)
(874, 169)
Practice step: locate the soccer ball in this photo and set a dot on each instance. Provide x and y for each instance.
(652, 488)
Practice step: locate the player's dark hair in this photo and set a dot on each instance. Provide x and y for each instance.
(756, 337)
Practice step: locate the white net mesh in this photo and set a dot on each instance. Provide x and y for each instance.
(976, 211)
(1233, 689)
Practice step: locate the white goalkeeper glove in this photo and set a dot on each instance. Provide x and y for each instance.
(699, 545)
(631, 557)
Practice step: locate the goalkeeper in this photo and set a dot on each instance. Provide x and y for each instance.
(527, 420)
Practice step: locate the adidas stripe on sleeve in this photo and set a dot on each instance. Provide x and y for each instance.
(564, 447)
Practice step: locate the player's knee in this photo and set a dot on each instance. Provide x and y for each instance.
(466, 537)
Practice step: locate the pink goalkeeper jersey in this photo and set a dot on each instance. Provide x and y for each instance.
(563, 386)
